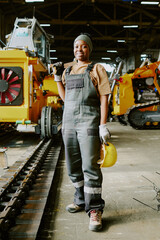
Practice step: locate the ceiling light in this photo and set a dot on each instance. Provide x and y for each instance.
(112, 51)
(144, 55)
(53, 58)
(28, 1)
(130, 1)
(106, 58)
(149, 3)
(52, 50)
(130, 26)
(121, 40)
(45, 25)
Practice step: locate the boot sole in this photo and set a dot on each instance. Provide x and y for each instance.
(95, 228)
(74, 210)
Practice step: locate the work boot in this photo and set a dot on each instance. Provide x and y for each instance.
(95, 223)
(73, 208)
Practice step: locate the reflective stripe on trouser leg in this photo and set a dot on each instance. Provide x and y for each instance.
(90, 150)
(93, 199)
(74, 164)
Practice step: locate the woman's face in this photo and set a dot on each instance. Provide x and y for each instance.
(81, 51)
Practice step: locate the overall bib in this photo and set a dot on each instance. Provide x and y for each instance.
(80, 129)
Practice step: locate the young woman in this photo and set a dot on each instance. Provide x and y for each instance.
(84, 88)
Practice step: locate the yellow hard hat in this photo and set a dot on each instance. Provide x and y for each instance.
(108, 155)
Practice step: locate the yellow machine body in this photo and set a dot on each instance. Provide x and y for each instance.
(29, 110)
(123, 96)
(137, 97)
(52, 95)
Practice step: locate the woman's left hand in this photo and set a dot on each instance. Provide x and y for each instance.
(104, 133)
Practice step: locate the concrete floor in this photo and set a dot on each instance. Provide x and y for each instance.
(20, 147)
(123, 217)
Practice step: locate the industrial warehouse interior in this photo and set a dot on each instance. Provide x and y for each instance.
(37, 37)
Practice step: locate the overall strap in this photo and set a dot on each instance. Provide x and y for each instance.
(68, 70)
(90, 67)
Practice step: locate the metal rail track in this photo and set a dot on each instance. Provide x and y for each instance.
(24, 190)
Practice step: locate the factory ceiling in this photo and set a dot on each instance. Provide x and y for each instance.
(103, 19)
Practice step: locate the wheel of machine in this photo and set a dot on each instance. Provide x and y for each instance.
(46, 122)
(122, 120)
(43, 122)
(136, 119)
(49, 114)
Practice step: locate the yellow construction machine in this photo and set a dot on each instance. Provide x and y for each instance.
(29, 98)
(136, 97)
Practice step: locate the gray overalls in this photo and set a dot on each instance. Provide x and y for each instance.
(80, 128)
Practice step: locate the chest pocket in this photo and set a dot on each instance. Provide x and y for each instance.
(75, 83)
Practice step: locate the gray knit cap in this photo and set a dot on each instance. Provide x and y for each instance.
(86, 39)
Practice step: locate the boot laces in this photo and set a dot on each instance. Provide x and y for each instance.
(95, 216)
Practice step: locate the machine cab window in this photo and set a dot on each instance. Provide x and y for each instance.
(39, 42)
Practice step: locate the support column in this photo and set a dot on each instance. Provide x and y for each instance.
(2, 28)
(0, 25)
(137, 60)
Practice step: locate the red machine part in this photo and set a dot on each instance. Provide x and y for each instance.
(10, 85)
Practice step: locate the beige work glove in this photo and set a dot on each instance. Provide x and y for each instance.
(104, 133)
